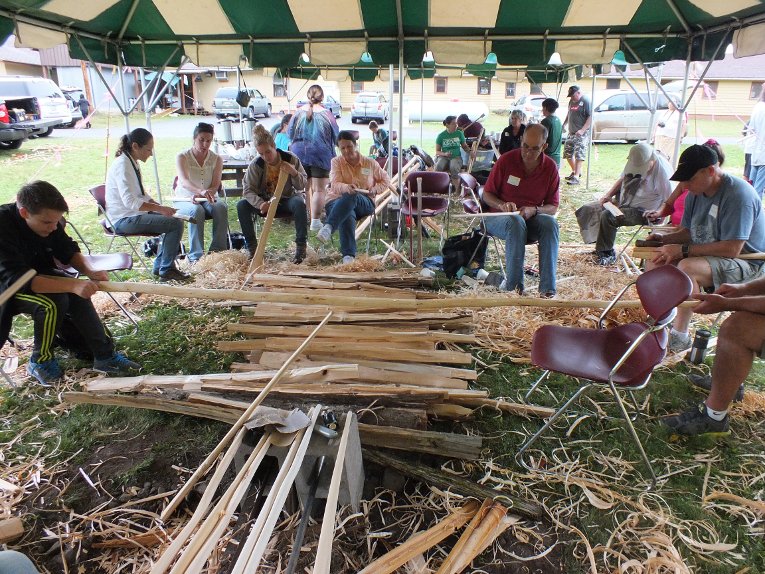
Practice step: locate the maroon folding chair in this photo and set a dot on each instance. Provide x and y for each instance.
(622, 357)
(426, 194)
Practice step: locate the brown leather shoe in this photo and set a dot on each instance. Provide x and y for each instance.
(174, 274)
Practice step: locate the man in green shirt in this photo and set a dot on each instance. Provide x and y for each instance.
(554, 129)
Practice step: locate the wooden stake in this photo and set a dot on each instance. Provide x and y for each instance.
(422, 541)
(397, 252)
(204, 467)
(257, 260)
(324, 549)
(16, 285)
(448, 563)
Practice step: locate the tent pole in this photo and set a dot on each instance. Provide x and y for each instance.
(684, 103)
(592, 129)
(124, 106)
(422, 101)
(400, 114)
(100, 75)
(390, 115)
(147, 113)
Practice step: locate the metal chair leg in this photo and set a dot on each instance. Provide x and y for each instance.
(631, 428)
(8, 378)
(538, 382)
(547, 425)
(125, 312)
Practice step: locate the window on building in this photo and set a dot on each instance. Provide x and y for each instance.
(280, 89)
(484, 86)
(536, 89)
(396, 86)
(710, 90)
(755, 90)
(439, 85)
(613, 83)
(357, 87)
(509, 89)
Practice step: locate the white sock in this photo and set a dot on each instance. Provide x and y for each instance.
(683, 334)
(716, 415)
(315, 221)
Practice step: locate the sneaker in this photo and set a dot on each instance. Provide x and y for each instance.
(347, 259)
(174, 274)
(300, 253)
(325, 233)
(573, 180)
(606, 258)
(705, 382)
(696, 422)
(46, 372)
(115, 364)
(679, 342)
(315, 225)
(547, 295)
(569, 177)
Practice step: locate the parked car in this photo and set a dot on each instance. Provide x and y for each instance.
(224, 103)
(72, 96)
(52, 105)
(370, 106)
(330, 103)
(624, 116)
(531, 105)
(19, 119)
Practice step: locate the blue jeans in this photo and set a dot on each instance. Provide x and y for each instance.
(517, 233)
(342, 214)
(156, 224)
(288, 206)
(12, 562)
(757, 175)
(218, 212)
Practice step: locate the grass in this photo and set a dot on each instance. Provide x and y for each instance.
(181, 339)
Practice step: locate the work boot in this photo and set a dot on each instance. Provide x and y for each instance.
(300, 253)
(705, 382)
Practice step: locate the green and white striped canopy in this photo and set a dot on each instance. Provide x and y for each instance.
(348, 33)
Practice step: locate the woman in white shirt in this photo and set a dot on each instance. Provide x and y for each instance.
(199, 176)
(132, 210)
(666, 130)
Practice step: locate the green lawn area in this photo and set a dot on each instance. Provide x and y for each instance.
(598, 503)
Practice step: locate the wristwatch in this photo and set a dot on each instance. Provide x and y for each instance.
(686, 249)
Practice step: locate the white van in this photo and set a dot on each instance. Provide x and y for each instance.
(624, 116)
(51, 100)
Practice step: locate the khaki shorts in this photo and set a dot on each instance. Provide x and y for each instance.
(729, 270)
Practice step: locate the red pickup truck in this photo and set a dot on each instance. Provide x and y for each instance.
(19, 119)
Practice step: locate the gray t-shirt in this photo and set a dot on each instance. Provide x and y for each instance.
(733, 213)
(578, 112)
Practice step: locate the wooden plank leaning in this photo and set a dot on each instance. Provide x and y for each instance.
(260, 252)
(212, 457)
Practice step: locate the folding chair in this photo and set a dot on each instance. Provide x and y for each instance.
(426, 194)
(99, 194)
(622, 357)
(471, 199)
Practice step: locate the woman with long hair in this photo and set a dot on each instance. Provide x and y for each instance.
(199, 178)
(313, 132)
(259, 187)
(132, 210)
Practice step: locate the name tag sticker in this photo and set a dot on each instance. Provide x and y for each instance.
(513, 180)
(366, 171)
(713, 211)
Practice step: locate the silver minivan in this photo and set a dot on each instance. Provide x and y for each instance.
(53, 104)
(224, 103)
(623, 116)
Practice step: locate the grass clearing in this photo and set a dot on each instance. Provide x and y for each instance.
(126, 448)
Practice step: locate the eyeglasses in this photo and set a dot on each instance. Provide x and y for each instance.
(528, 147)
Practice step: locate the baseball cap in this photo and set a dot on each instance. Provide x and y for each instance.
(639, 159)
(572, 90)
(693, 159)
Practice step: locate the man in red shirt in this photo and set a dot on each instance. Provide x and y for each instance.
(524, 183)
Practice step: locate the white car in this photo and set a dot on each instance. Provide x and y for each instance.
(53, 104)
(370, 106)
(624, 116)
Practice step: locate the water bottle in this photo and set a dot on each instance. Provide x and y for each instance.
(699, 347)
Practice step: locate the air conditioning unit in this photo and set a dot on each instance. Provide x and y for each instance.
(221, 75)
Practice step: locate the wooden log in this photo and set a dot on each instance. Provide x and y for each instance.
(442, 444)
(11, 529)
(363, 303)
(327, 534)
(257, 260)
(422, 541)
(204, 467)
(508, 407)
(362, 347)
(353, 332)
(454, 483)
(448, 411)
(373, 351)
(271, 359)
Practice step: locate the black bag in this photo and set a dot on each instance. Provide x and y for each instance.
(236, 240)
(467, 250)
(151, 247)
(242, 98)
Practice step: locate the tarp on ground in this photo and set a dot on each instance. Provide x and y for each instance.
(275, 33)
